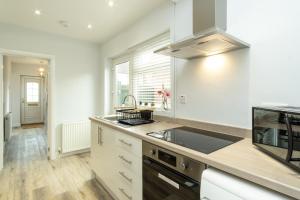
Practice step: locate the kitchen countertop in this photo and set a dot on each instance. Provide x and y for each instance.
(241, 159)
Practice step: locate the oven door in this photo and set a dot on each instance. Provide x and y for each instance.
(163, 183)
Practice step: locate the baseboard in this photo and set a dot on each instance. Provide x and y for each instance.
(75, 152)
(17, 125)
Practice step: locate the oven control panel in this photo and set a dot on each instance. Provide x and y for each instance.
(178, 162)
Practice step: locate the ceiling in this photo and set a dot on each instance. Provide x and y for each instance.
(106, 21)
(27, 60)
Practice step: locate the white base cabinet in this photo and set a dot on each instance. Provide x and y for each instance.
(116, 158)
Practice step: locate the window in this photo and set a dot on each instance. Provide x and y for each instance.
(121, 81)
(145, 74)
(151, 74)
(32, 92)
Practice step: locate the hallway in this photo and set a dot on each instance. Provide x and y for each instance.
(27, 173)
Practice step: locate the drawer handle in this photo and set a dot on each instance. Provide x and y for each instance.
(124, 176)
(125, 160)
(124, 142)
(125, 194)
(100, 141)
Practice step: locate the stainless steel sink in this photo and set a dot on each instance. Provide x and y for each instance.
(111, 118)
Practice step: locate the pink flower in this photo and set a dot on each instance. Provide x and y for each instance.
(164, 93)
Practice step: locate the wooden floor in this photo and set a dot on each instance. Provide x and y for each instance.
(27, 173)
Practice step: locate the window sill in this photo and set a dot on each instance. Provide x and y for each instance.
(166, 113)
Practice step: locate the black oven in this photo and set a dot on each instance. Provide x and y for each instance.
(276, 131)
(168, 175)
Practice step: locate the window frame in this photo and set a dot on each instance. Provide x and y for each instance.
(117, 61)
(128, 57)
(31, 95)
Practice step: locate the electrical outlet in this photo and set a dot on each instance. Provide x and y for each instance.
(182, 99)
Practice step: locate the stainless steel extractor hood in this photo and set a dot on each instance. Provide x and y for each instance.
(208, 31)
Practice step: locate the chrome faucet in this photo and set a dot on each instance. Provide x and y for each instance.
(135, 106)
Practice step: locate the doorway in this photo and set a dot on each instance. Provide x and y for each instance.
(25, 101)
(48, 82)
(32, 97)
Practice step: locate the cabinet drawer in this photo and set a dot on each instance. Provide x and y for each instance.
(129, 144)
(131, 180)
(129, 191)
(130, 162)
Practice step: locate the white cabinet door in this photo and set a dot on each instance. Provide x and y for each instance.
(106, 163)
(116, 158)
(96, 150)
(102, 153)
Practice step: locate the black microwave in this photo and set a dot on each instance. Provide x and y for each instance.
(276, 131)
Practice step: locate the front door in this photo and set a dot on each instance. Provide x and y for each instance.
(31, 100)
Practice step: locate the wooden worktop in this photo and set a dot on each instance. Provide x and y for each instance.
(241, 159)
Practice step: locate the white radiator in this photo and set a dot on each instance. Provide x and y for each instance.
(76, 136)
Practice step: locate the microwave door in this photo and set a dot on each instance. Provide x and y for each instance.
(291, 138)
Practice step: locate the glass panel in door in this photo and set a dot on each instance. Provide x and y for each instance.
(32, 92)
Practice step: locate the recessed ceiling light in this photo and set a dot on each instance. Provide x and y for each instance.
(89, 26)
(111, 3)
(37, 12)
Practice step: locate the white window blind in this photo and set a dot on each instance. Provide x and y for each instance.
(151, 72)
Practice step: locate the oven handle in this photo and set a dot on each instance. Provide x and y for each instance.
(168, 180)
(289, 156)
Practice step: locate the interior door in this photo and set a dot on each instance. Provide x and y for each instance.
(31, 100)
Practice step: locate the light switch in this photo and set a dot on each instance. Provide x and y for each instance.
(182, 99)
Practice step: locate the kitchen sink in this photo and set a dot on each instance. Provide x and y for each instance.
(111, 118)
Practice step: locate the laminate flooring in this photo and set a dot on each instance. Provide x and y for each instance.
(29, 175)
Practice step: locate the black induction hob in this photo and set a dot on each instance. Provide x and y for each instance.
(196, 139)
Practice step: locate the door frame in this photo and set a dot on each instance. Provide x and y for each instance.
(1, 113)
(51, 119)
(41, 98)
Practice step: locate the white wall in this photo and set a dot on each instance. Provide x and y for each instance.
(77, 73)
(6, 84)
(216, 89)
(1, 113)
(223, 88)
(17, 70)
(272, 29)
